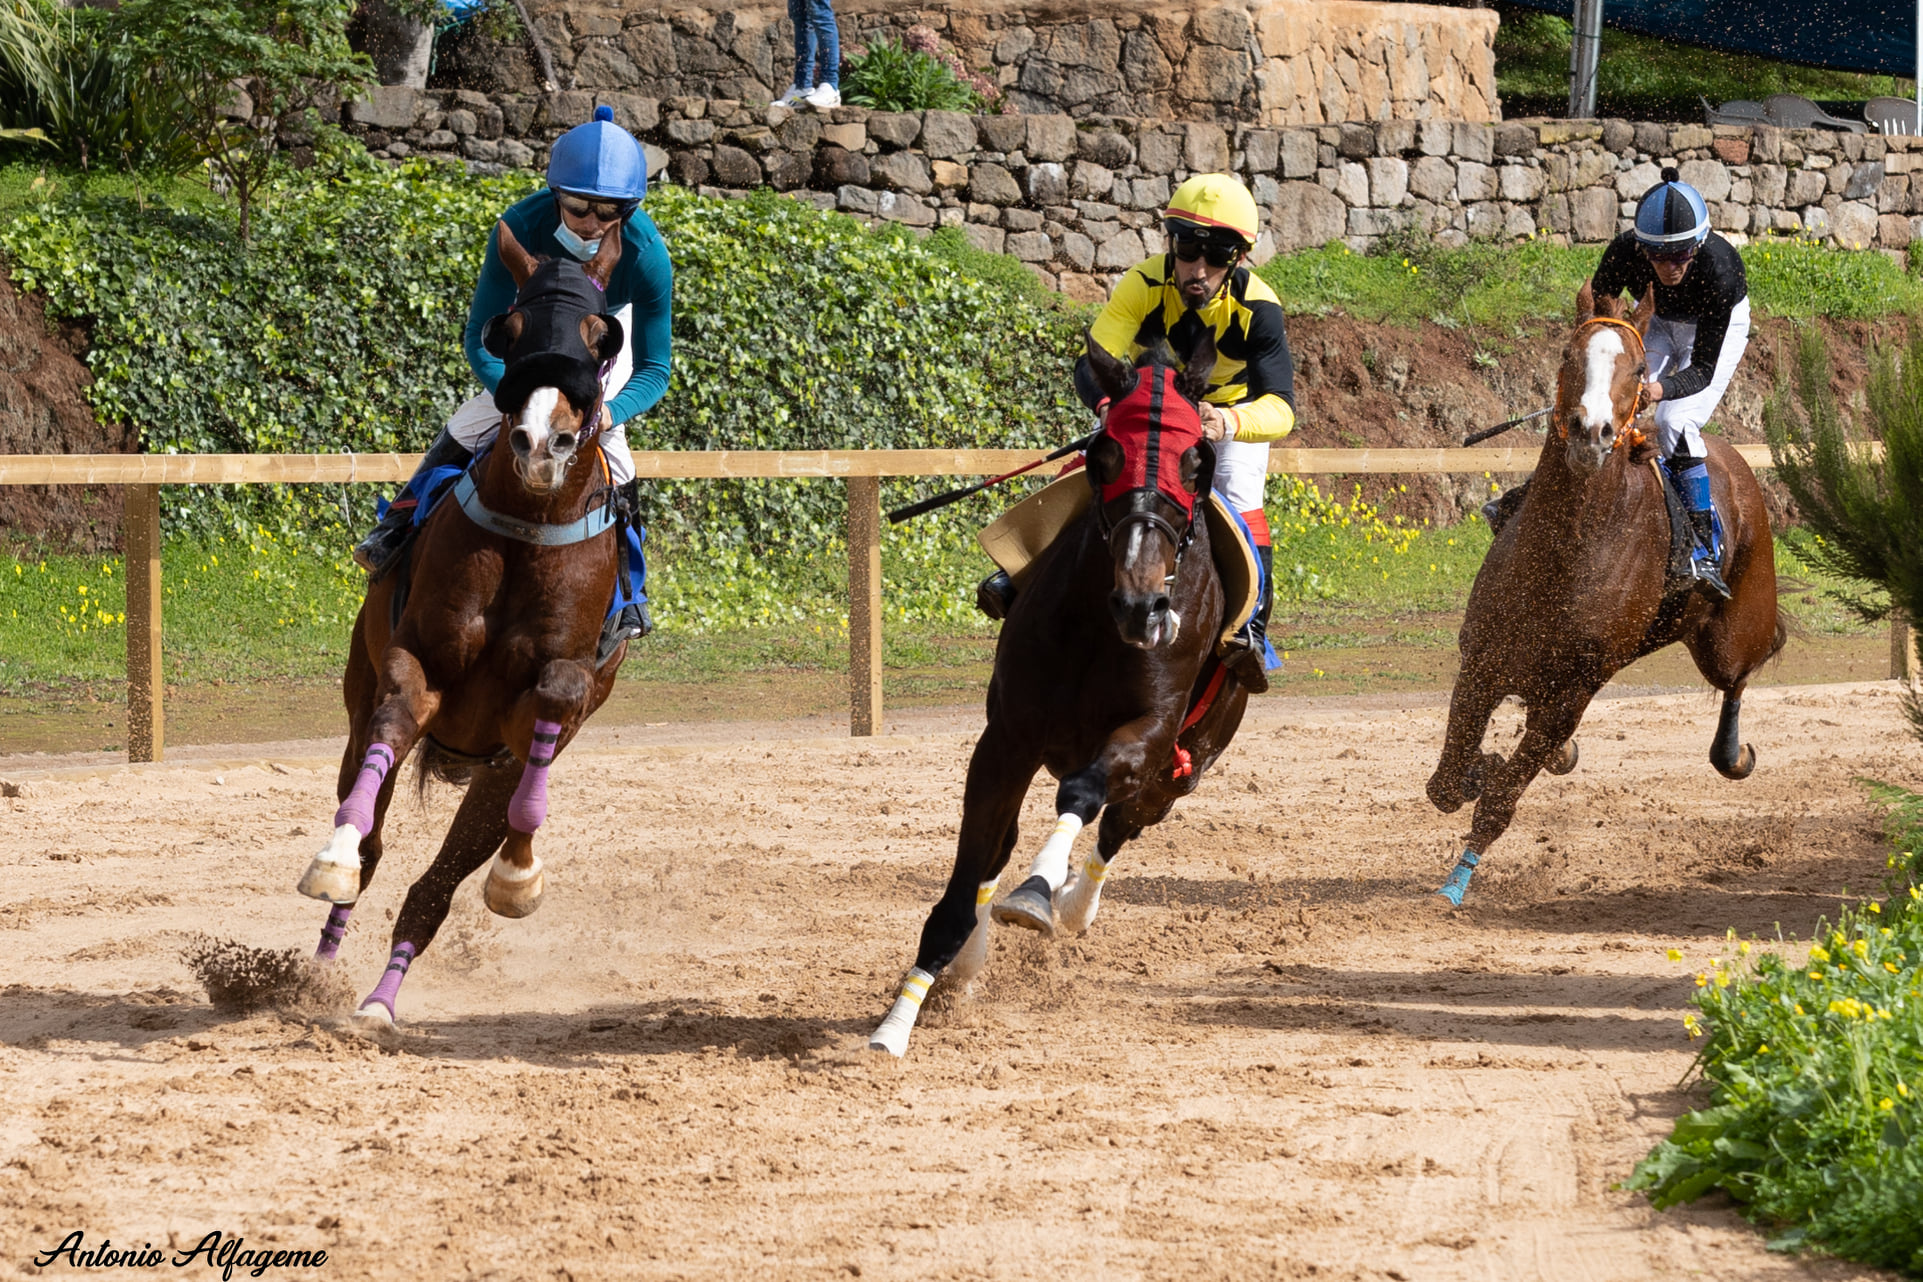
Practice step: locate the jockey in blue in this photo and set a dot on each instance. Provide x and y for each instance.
(1695, 341)
(596, 178)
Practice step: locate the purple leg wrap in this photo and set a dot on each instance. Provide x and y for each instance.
(333, 932)
(358, 809)
(530, 805)
(390, 986)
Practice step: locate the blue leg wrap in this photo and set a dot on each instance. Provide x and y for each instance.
(631, 582)
(1458, 883)
(1693, 484)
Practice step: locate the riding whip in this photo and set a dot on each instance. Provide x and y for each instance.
(1500, 428)
(955, 496)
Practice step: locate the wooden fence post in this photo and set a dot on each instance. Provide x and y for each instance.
(1902, 647)
(146, 739)
(864, 604)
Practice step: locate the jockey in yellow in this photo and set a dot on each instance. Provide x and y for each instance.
(1203, 282)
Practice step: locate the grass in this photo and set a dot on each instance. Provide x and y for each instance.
(24, 183)
(1643, 78)
(1815, 1071)
(1495, 287)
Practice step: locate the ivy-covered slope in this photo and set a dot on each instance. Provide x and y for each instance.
(338, 328)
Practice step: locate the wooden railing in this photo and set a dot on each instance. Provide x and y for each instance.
(860, 470)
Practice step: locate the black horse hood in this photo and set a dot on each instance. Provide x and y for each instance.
(549, 350)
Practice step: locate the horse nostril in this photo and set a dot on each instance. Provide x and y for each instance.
(563, 443)
(1159, 605)
(1609, 430)
(521, 440)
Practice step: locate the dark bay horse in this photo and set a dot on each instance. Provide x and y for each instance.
(490, 665)
(1574, 588)
(1107, 643)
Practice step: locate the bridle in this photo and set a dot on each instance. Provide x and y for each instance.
(1625, 433)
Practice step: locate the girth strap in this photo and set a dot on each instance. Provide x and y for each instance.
(598, 521)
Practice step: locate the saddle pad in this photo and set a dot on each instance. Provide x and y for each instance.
(1018, 536)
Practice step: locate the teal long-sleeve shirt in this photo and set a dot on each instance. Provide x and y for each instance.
(643, 277)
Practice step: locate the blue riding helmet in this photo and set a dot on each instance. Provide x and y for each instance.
(599, 160)
(1672, 217)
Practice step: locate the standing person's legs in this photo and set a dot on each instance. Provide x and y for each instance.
(804, 78)
(827, 38)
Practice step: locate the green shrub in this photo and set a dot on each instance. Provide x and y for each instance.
(890, 76)
(1815, 1070)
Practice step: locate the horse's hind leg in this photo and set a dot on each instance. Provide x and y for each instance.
(545, 715)
(956, 931)
(478, 828)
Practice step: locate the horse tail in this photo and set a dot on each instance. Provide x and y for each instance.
(433, 762)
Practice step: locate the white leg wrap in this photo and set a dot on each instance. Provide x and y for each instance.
(1052, 864)
(335, 873)
(969, 961)
(892, 1035)
(1075, 908)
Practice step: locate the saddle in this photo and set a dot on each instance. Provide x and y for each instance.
(1017, 538)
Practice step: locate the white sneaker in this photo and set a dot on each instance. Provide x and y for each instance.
(793, 98)
(822, 97)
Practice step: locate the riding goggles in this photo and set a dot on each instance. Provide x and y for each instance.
(1219, 249)
(1669, 256)
(607, 211)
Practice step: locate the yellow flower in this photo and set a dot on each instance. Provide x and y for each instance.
(1674, 955)
(1743, 948)
(1890, 967)
(1886, 1103)
(1817, 953)
(1702, 979)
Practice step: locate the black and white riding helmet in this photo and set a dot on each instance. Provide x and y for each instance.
(1673, 217)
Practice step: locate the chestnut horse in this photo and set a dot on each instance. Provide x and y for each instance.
(490, 665)
(1109, 641)
(1575, 587)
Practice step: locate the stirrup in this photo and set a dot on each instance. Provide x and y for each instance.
(995, 595)
(382, 548)
(1246, 662)
(631, 624)
(1709, 577)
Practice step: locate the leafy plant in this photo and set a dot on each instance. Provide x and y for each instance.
(890, 76)
(1815, 1069)
(292, 55)
(1864, 515)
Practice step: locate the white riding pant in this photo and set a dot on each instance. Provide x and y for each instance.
(477, 421)
(1669, 346)
(1241, 471)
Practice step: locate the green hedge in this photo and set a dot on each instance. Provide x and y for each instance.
(338, 328)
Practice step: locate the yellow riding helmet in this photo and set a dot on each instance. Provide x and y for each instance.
(1216, 200)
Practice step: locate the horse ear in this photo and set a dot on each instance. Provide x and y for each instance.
(519, 263)
(1585, 301)
(602, 335)
(600, 268)
(501, 332)
(1193, 381)
(1645, 312)
(1115, 377)
(1105, 460)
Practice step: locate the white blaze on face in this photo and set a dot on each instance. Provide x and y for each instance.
(1598, 405)
(537, 416)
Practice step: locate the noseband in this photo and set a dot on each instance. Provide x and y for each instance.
(1625, 434)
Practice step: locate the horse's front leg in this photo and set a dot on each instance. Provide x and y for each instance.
(1457, 774)
(955, 936)
(403, 706)
(1117, 771)
(1549, 727)
(543, 718)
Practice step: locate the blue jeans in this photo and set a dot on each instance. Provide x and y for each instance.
(817, 43)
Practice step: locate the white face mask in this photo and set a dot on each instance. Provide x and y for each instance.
(581, 249)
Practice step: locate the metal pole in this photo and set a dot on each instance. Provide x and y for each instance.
(1585, 50)
(864, 604)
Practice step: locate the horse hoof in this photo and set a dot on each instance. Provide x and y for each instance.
(1031, 907)
(1441, 798)
(1564, 759)
(514, 892)
(375, 1018)
(335, 873)
(1745, 762)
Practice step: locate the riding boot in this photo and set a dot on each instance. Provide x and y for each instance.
(1248, 651)
(632, 621)
(995, 595)
(1692, 481)
(383, 544)
(1498, 510)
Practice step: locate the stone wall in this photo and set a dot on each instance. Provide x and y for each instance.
(1079, 200)
(1279, 62)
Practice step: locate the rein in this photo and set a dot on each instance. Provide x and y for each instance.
(1626, 435)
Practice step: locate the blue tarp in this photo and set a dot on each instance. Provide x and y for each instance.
(1845, 35)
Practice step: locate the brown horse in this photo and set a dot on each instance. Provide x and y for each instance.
(1575, 587)
(490, 665)
(1107, 646)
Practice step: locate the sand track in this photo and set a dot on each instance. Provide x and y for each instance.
(1272, 1056)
